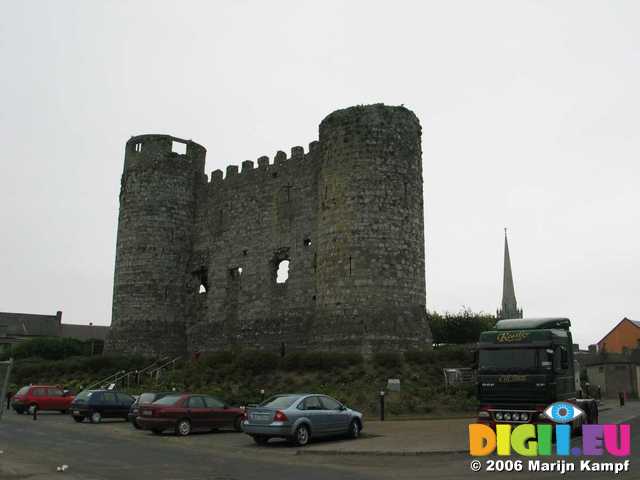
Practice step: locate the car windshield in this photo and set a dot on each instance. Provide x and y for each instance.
(280, 401)
(84, 395)
(509, 359)
(168, 400)
(23, 391)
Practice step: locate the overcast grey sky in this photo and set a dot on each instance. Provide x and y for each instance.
(529, 112)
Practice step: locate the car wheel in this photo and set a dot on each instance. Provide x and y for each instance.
(237, 424)
(301, 437)
(64, 412)
(155, 431)
(96, 417)
(354, 429)
(33, 408)
(183, 427)
(260, 439)
(135, 424)
(78, 419)
(19, 411)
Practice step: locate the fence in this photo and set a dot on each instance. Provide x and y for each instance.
(458, 376)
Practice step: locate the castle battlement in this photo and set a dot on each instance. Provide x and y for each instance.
(322, 249)
(297, 158)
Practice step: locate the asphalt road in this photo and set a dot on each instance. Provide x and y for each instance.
(113, 450)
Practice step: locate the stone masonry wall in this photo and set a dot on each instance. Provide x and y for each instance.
(196, 260)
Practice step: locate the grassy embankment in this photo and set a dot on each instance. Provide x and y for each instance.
(238, 377)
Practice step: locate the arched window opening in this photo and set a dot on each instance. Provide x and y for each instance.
(282, 274)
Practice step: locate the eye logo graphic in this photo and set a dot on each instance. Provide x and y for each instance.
(563, 412)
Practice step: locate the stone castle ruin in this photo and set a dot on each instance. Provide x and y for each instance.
(201, 265)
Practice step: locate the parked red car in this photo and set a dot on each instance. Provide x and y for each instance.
(41, 397)
(184, 412)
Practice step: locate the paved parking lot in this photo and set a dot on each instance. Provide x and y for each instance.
(114, 450)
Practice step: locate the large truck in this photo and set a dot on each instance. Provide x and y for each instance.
(525, 365)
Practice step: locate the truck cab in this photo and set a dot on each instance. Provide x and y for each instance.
(524, 365)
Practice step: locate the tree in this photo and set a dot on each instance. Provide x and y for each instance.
(460, 328)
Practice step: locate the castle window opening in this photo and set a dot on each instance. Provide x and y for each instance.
(138, 147)
(282, 274)
(179, 148)
(202, 280)
(235, 273)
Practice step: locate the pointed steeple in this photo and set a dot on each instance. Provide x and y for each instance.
(509, 305)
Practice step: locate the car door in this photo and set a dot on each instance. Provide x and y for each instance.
(39, 397)
(55, 399)
(197, 411)
(124, 403)
(217, 415)
(337, 416)
(109, 405)
(314, 411)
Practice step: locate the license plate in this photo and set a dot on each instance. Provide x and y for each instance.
(257, 416)
(76, 412)
(147, 413)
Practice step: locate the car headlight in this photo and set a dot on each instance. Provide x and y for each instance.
(524, 417)
(515, 416)
(507, 416)
(499, 416)
(483, 414)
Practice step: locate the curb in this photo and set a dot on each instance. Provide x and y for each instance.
(401, 453)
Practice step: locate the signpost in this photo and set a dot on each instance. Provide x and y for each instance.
(5, 383)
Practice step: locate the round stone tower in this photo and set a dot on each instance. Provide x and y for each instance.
(155, 228)
(370, 257)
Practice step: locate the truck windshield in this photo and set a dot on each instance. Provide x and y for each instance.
(509, 359)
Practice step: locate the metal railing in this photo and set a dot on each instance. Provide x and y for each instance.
(104, 380)
(158, 370)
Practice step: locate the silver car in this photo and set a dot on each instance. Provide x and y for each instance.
(298, 417)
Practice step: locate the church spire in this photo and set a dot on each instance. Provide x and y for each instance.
(509, 305)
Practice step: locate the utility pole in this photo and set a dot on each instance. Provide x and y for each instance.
(5, 384)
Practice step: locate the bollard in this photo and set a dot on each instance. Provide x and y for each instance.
(621, 398)
(382, 405)
(35, 413)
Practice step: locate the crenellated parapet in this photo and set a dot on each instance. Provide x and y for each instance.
(297, 159)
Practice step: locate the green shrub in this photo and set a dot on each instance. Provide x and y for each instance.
(300, 361)
(257, 361)
(387, 359)
(419, 357)
(217, 359)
